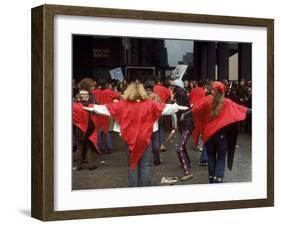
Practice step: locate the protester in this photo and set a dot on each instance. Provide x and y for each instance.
(217, 117)
(165, 94)
(136, 115)
(104, 95)
(84, 132)
(196, 95)
(185, 127)
(155, 141)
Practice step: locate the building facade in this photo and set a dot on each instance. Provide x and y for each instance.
(95, 56)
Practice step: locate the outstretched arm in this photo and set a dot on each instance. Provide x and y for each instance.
(173, 108)
(98, 109)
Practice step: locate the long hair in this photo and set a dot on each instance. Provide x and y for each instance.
(217, 103)
(134, 92)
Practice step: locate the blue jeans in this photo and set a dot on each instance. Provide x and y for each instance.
(104, 141)
(161, 130)
(216, 150)
(140, 176)
(203, 156)
(181, 150)
(155, 147)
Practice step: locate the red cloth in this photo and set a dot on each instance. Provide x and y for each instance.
(136, 124)
(163, 92)
(80, 116)
(80, 119)
(104, 96)
(195, 95)
(208, 125)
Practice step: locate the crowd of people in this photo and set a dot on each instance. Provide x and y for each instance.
(210, 112)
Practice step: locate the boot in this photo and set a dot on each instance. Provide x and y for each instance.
(218, 180)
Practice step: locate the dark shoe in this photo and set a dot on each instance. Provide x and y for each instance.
(211, 179)
(157, 163)
(218, 180)
(107, 151)
(92, 167)
(202, 164)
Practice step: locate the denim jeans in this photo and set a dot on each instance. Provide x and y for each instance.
(140, 176)
(203, 156)
(155, 142)
(161, 130)
(216, 150)
(181, 150)
(104, 141)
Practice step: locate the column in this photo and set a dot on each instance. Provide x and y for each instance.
(245, 61)
(223, 60)
(211, 60)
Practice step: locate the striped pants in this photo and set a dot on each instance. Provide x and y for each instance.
(181, 150)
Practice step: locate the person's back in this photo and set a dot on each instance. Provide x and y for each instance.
(129, 113)
(163, 92)
(230, 112)
(105, 96)
(182, 99)
(136, 115)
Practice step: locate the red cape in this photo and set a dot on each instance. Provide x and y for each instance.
(208, 126)
(136, 124)
(80, 116)
(163, 92)
(105, 96)
(80, 119)
(195, 95)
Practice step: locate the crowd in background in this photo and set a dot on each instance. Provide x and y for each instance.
(238, 91)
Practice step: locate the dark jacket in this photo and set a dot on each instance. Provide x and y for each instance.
(182, 99)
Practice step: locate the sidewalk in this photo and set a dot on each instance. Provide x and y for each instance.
(113, 172)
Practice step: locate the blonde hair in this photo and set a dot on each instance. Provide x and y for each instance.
(217, 103)
(134, 92)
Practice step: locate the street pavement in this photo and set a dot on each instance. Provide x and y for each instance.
(112, 171)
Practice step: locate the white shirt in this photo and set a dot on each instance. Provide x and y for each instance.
(168, 110)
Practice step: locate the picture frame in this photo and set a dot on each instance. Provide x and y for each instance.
(43, 182)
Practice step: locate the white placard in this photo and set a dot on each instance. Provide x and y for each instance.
(179, 71)
(117, 74)
(66, 199)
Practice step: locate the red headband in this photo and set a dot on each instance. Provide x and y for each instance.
(219, 86)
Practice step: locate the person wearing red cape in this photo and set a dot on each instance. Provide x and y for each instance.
(104, 95)
(216, 118)
(196, 94)
(165, 94)
(136, 115)
(155, 140)
(84, 132)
